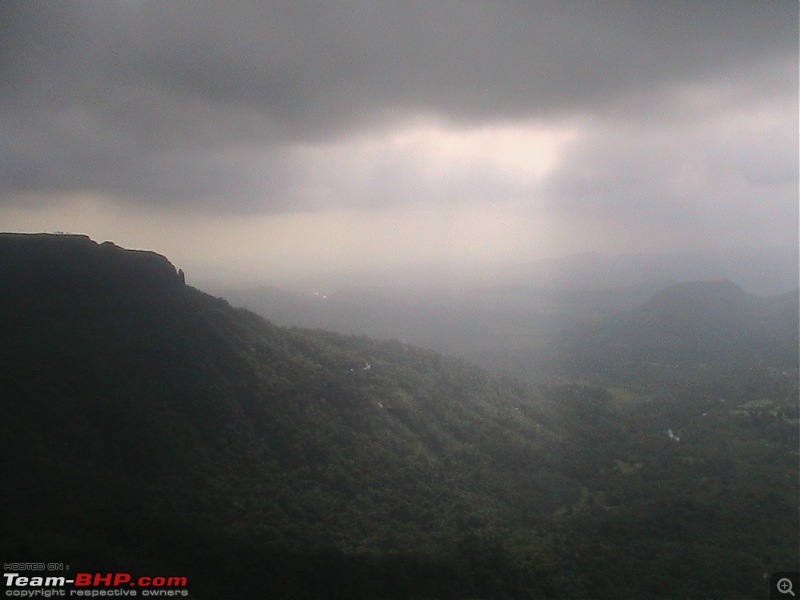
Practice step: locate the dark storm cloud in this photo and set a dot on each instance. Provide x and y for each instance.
(200, 102)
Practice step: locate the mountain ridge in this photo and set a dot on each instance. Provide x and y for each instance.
(168, 408)
(150, 426)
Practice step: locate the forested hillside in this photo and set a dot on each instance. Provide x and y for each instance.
(147, 425)
(690, 333)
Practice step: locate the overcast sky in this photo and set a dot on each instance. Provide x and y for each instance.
(261, 140)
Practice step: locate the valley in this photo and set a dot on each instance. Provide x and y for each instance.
(150, 427)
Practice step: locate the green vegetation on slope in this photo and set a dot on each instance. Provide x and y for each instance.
(150, 426)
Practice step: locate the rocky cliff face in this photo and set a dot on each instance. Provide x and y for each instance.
(72, 264)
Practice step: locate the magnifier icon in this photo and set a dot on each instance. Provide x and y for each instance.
(785, 586)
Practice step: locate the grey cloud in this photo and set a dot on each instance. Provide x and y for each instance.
(705, 182)
(199, 102)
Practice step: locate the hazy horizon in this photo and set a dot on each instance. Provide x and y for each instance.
(275, 142)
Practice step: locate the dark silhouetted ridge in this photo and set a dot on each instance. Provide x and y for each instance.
(40, 265)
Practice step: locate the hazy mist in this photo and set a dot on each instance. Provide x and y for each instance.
(278, 141)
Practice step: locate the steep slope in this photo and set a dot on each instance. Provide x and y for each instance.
(132, 401)
(148, 427)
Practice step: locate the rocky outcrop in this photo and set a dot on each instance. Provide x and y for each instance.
(68, 264)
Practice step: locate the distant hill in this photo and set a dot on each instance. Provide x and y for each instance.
(504, 317)
(150, 427)
(762, 271)
(691, 329)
